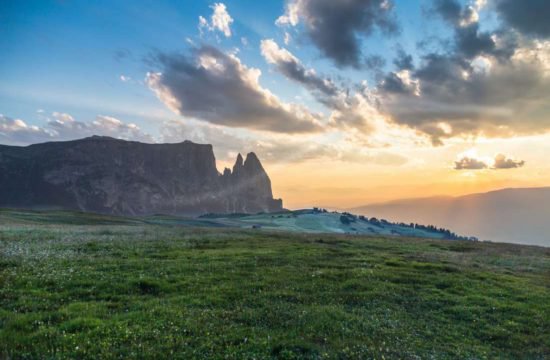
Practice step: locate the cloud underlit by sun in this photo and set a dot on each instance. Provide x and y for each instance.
(463, 104)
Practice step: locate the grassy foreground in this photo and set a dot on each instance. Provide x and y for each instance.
(150, 291)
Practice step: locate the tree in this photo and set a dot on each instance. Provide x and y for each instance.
(344, 220)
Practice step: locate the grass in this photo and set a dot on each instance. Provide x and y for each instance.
(149, 291)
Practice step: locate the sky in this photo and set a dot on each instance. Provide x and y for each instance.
(346, 102)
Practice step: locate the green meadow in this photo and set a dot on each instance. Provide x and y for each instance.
(82, 286)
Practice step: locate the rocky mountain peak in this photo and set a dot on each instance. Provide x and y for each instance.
(238, 164)
(252, 162)
(108, 175)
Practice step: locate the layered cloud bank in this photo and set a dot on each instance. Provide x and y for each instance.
(342, 81)
(62, 126)
(490, 83)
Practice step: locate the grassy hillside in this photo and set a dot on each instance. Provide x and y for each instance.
(303, 221)
(317, 221)
(105, 287)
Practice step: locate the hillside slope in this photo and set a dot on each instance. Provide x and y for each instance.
(511, 215)
(145, 291)
(303, 221)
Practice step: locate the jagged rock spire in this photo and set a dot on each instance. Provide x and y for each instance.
(253, 163)
(238, 164)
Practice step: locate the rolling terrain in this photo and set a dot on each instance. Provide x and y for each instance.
(87, 286)
(304, 221)
(510, 215)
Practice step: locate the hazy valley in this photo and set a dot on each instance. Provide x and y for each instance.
(509, 215)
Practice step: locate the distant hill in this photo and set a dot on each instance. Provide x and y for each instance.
(302, 221)
(322, 221)
(112, 176)
(510, 215)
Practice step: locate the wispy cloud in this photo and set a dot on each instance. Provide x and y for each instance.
(220, 20)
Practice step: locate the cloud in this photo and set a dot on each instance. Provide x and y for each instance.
(530, 17)
(336, 27)
(220, 20)
(500, 161)
(482, 83)
(288, 65)
(478, 97)
(450, 10)
(62, 126)
(17, 132)
(468, 163)
(287, 38)
(213, 86)
(469, 41)
(453, 12)
(403, 61)
(227, 143)
(348, 109)
(400, 82)
(275, 148)
(374, 63)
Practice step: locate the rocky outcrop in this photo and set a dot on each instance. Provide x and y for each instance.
(249, 186)
(107, 175)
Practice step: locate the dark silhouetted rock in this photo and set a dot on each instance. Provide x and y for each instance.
(107, 175)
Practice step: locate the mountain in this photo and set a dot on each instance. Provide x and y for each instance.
(510, 215)
(106, 175)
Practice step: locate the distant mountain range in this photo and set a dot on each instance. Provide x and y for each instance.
(112, 176)
(510, 215)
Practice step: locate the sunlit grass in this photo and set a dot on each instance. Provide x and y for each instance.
(144, 291)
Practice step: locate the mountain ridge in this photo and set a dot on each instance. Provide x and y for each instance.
(516, 215)
(113, 176)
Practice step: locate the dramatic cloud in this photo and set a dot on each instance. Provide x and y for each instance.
(288, 65)
(216, 87)
(450, 10)
(529, 17)
(349, 109)
(469, 41)
(491, 84)
(400, 83)
(470, 162)
(63, 126)
(220, 20)
(336, 27)
(495, 100)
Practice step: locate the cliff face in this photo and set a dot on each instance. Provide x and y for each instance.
(113, 176)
